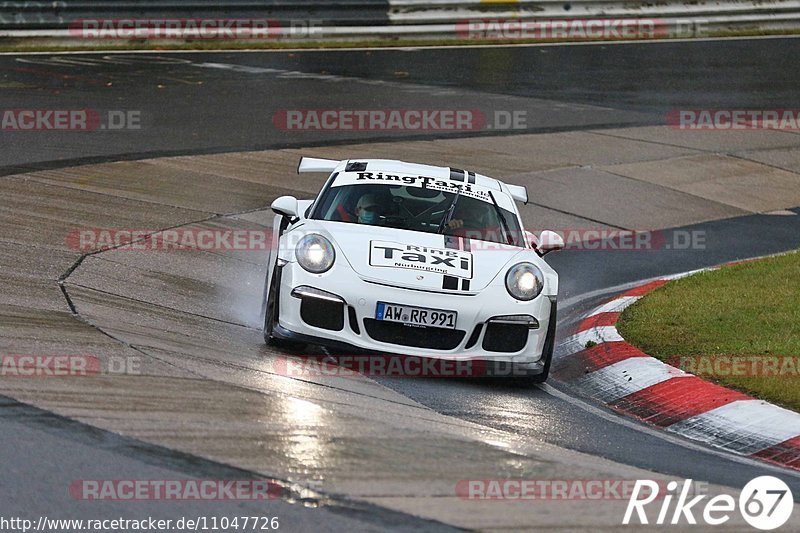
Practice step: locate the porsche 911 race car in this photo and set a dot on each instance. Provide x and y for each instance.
(403, 258)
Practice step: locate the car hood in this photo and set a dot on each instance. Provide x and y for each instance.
(418, 260)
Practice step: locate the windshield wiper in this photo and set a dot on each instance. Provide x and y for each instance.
(450, 211)
(502, 218)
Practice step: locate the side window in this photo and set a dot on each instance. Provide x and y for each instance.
(337, 207)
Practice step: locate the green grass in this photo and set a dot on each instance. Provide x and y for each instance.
(748, 310)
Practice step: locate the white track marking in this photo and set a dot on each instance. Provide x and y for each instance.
(744, 426)
(625, 377)
(662, 435)
(616, 305)
(598, 335)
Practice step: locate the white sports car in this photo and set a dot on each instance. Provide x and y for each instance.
(421, 260)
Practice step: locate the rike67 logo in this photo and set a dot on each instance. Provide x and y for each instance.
(766, 503)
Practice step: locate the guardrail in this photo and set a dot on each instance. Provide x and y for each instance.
(58, 14)
(399, 19)
(433, 11)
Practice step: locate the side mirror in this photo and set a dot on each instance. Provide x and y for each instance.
(286, 206)
(532, 240)
(550, 241)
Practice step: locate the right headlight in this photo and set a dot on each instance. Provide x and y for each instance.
(524, 281)
(315, 253)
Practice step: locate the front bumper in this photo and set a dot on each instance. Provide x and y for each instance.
(351, 323)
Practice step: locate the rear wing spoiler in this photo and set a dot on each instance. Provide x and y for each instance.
(518, 193)
(312, 164)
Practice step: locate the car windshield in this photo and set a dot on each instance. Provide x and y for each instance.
(419, 209)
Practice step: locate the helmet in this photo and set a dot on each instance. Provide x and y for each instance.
(368, 208)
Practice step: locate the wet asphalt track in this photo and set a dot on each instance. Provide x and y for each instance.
(209, 102)
(203, 103)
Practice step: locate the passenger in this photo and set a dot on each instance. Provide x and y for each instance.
(468, 219)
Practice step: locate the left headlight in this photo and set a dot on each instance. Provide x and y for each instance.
(315, 253)
(524, 281)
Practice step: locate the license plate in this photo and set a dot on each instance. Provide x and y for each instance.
(416, 316)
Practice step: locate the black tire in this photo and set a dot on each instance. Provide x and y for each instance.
(271, 317)
(270, 314)
(549, 346)
(271, 311)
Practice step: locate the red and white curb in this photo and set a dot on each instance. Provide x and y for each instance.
(633, 383)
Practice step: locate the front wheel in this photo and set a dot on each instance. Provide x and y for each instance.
(549, 346)
(271, 315)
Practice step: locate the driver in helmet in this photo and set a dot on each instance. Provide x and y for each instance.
(369, 209)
